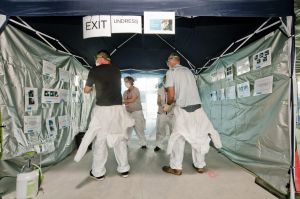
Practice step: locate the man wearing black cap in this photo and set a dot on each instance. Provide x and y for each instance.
(110, 119)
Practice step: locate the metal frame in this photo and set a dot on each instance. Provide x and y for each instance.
(43, 35)
(244, 39)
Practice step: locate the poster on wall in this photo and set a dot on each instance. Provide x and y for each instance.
(31, 99)
(243, 89)
(263, 86)
(221, 94)
(64, 95)
(229, 73)
(262, 59)
(49, 69)
(243, 66)
(32, 124)
(64, 75)
(221, 73)
(230, 92)
(126, 24)
(96, 26)
(50, 96)
(63, 121)
(51, 127)
(159, 22)
(214, 76)
(213, 96)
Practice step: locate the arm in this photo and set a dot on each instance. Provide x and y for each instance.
(130, 100)
(87, 89)
(171, 94)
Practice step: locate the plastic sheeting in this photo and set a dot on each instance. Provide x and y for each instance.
(255, 129)
(21, 65)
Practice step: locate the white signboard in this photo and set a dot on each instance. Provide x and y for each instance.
(50, 95)
(243, 90)
(49, 69)
(126, 24)
(263, 85)
(243, 66)
(230, 92)
(32, 124)
(159, 22)
(96, 26)
(51, 127)
(63, 121)
(262, 59)
(64, 75)
(31, 99)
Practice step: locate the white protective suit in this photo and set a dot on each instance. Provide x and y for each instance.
(139, 127)
(108, 126)
(193, 127)
(163, 119)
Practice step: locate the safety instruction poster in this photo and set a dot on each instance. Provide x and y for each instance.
(32, 124)
(31, 99)
(230, 92)
(64, 95)
(243, 66)
(49, 69)
(63, 121)
(213, 96)
(263, 85)
(262, 59)
(243, 90)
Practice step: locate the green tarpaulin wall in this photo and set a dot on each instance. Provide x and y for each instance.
(254, 129)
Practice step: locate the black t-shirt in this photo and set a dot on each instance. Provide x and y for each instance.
(107, 80)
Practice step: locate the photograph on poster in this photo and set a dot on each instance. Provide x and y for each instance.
(51, 127)
(229, 73)
(262, 59)
(50, 96)
(31, 99)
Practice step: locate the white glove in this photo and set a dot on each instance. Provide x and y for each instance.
(166, 107)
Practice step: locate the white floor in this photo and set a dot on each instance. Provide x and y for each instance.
(224, 179)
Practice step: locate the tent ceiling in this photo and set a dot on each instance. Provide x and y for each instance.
(198, 39)
(242, 8)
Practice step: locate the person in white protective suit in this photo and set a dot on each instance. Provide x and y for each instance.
(190, 121)
(132, 101)
(109, 121)
(164, 119)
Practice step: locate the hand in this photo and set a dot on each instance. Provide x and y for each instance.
(166, 107)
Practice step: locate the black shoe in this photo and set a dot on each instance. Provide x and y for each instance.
(144, 147)
(156, 149)
(96, 178)
(125, 174)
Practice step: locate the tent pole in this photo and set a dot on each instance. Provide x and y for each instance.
(246, 38)
(251, 35)
(29, 28)
(115, 50)
(192, 66)
(40, 34)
